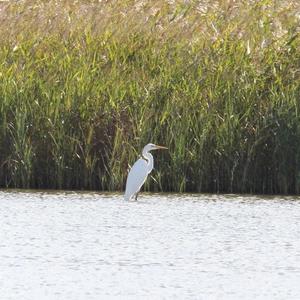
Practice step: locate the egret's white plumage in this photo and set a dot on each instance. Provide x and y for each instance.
(139, 172)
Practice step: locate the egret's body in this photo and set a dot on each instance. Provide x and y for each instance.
(139, 172)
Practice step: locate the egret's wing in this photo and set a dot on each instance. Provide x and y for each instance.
(136, 178)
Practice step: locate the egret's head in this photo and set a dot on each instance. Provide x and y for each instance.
(150, 147)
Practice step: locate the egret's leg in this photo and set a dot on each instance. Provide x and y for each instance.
(136, 196)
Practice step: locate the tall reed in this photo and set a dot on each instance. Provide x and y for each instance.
(84, 85)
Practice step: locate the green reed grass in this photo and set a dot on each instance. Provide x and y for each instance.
(85, 85)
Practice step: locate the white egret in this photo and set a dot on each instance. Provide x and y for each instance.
(139, 172)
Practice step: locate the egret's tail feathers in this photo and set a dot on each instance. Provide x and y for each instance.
(127, 197)
(130, 197)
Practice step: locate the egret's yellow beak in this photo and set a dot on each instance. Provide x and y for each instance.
(160, 147)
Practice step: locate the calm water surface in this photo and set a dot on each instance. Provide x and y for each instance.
(96, 246)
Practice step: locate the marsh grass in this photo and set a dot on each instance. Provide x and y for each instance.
(85, 84)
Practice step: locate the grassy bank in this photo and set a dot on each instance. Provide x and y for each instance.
(84, 85)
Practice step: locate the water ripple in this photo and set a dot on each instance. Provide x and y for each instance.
(67, 245)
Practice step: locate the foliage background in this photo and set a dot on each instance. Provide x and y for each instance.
(84, 85)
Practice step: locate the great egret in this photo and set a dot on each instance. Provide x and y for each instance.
(139, 172)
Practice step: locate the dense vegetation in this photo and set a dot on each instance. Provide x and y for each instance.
(84, 85)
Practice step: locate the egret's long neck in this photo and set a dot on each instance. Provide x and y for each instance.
(148, 156)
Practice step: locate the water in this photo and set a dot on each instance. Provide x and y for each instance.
(96, 246)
